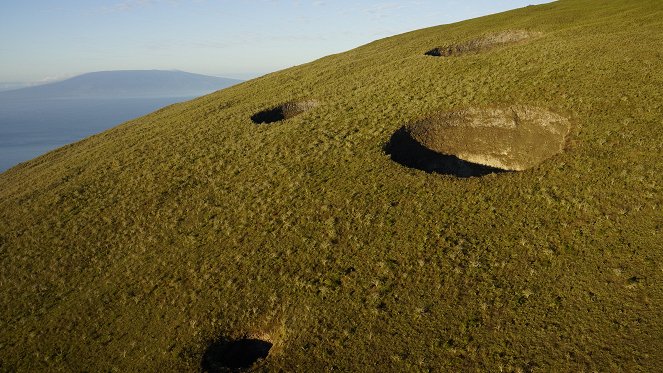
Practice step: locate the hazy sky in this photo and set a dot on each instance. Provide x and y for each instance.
(45, 39)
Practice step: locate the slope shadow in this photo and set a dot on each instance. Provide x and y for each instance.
(406, 151)
(234, 356)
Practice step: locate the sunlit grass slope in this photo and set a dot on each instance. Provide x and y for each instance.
(137, 248)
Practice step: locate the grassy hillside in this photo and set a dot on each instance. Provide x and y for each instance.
(145, 247)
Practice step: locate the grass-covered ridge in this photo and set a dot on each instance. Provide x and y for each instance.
(138, 248)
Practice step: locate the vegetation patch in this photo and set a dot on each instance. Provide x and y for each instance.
(477, 142)
(237, 355)
(483, 43)
(283, 112)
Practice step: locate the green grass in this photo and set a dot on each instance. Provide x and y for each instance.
(136, 248)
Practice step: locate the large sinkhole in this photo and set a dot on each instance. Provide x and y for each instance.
(478, 142)
(482, 44)
(283, 111)
(233, 356)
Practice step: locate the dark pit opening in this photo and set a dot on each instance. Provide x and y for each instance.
(283, 112)
(268, 116)
(405, 150)
(233, 356)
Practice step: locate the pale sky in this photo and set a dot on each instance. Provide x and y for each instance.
(47, 39)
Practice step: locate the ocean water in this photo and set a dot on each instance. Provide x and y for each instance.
(29, 128)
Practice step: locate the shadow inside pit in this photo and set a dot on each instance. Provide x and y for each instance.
(233, 356)
(439, 52)
(406, 151)
(268, 116)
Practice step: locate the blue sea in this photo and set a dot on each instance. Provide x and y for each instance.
(29, 128)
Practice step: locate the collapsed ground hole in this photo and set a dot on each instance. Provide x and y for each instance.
(283, 112)
(233, 356)
(479, 141)
(482, 44)
(406, 151)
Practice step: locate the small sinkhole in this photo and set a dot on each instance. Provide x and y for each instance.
(283, 112)
(235, 355)
(483, 43)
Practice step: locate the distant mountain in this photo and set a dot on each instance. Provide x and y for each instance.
(125, 84)
(8, 86)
